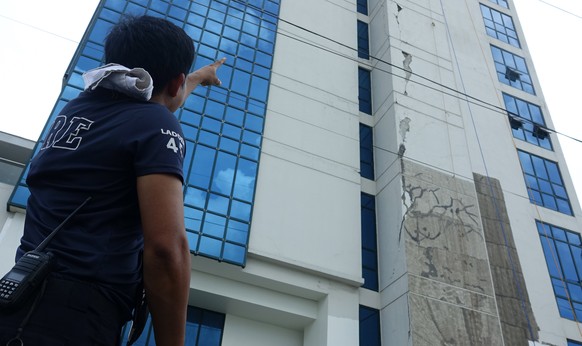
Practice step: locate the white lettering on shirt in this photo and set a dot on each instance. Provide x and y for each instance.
(171, 144)
(66, 135)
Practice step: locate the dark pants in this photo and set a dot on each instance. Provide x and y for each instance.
(68, 313)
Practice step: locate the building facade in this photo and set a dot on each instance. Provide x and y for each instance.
(369, 173)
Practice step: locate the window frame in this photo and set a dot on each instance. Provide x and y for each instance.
(500, 26)
(562, 249)
(544, 182)
(370, 328)
(367, 151)
(510, 65)
(369, 242)
(533, 115)
(365, 90)
(363, 40)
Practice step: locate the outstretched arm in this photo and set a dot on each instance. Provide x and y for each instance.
(166, 257)
(204, 76)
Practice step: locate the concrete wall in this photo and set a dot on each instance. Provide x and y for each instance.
(518, 322)
(11, 228)
(308, 182)
(301, 282)
(428, 50)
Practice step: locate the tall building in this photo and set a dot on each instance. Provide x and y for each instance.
(369, 173)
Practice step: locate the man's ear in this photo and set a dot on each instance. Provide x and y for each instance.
(175, 84)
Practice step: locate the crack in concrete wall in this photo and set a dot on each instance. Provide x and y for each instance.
(422, 203)
(404, 127)
(406, 66)
(451, 296)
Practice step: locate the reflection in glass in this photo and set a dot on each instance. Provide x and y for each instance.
(241, 210)
(224, 173)
(544, 189)
(218, 204)
(219, 123)
(245, 180)
(562, 252)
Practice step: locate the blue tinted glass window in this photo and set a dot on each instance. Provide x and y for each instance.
(369, 327)
(563, 256)
(574, 343)
(499, 26)
(502, 3)
(203, 328)
(362, 6)
(115, 5)
(222, 126)
(366, 152)
(512, 70)
(364, 91)
(544, 183)
(369, 244)
(532, 124)
(363, 40)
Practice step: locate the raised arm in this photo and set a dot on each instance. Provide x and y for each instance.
(166, 257)
(204, 76)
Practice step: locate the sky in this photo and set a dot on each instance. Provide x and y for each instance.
(51, 30)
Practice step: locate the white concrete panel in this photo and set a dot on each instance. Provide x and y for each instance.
(11, 228)
(306, 217)
(299, 54)
(10, 235)
(343, 331)
(396, 323)
(245, 332)
(328, 132)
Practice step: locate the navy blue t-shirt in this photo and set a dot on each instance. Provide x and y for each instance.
(99, 144)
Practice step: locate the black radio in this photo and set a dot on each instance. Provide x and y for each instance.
(22, 281)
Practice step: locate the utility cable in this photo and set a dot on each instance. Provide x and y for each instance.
(536, 208)
(490, 186)
(457, 94)
(561, 9)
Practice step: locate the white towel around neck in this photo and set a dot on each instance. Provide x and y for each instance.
(135, 82)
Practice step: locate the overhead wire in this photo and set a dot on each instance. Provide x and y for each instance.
(561, 9)
(505, 233)
(495, 107)
(228, 94)
(456, 93)
(551, 248)
(39, 29)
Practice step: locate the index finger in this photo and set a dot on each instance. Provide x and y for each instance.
(219, 63)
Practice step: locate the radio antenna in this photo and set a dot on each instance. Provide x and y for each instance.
(46, 240)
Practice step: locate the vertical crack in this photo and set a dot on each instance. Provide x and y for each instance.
(406, 66)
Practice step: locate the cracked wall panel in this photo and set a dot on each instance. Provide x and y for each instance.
(451, 268)
(439, 217)
(435, 177)
(418, 33)
(452, 295)
(440, 230)
(438, 323)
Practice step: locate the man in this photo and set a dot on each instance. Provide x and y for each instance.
(125, 152)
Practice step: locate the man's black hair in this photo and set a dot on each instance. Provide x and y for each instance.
(154, 44)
